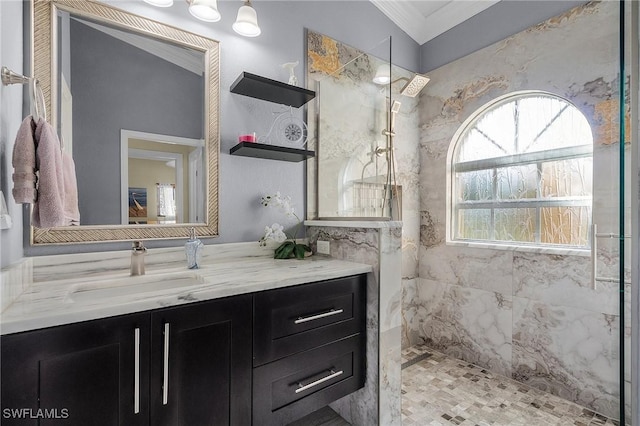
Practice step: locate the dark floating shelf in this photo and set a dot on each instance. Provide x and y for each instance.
(258, 87)
(271, 152)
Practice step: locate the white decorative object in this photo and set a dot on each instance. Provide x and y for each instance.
(286, 130)
(292, 76)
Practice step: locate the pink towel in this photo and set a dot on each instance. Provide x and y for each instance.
(24, 163)
(71, 212)
(48, 210)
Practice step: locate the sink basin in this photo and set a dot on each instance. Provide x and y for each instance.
(132, 286)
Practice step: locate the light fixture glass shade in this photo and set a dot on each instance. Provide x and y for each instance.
(205, 10)
(383, 74)
(160, 3)
(247, 21)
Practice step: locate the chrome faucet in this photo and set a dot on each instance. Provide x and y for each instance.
(137, 258)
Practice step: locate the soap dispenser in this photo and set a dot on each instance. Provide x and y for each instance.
(137, 258)
(193, 250)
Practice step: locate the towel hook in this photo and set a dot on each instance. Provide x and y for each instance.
(11, 77)
(39, 108)
(37, 97)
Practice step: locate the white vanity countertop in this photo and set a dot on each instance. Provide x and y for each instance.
(85, 296)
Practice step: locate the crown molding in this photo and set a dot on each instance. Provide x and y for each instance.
(424, 28)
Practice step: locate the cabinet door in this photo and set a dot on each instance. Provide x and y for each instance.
(90, 373)
(201, 364)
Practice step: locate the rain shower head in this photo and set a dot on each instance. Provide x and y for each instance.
(414, 85)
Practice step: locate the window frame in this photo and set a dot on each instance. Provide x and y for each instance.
(493, 164)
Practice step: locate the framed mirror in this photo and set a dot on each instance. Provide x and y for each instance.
(135, 102)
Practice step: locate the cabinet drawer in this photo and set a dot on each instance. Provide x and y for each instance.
(292, 387)
(295, 319)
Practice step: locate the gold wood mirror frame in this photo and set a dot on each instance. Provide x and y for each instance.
(45, 70)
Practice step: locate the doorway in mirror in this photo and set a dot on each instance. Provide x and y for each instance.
(171, 171)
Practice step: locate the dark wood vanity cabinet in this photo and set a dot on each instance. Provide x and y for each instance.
(309, 348)
(188, 365)
(77, 374)
(264, 358)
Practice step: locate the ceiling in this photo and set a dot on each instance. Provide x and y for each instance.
(424, 20)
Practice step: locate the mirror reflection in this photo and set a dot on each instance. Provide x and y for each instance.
(133, 104)
(161, 179)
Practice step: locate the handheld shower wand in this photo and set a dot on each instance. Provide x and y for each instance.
(391, 184)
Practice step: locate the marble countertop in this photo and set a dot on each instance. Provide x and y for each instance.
(85, 296)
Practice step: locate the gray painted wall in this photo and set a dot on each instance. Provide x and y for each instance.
(113, 89)
(496, 23)
(10, 118)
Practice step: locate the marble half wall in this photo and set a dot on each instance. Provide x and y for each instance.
(377, 244)
(346, 121)
(530, 314)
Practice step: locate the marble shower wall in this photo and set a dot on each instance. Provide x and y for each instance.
(376, 244)
(530, 315)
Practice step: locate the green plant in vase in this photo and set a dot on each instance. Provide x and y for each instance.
(289, 247)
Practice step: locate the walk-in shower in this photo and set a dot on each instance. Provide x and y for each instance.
(526, 305)
(533, 310)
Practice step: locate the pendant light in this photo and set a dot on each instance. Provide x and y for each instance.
(383, 74)
(205, 10)
(247, 21)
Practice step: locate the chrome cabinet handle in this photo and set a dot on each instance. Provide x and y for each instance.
(300, 320)
(334, 374)
(136, 371)
(165, 376)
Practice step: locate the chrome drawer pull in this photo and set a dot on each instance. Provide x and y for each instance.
(136, 372)
(333, 374)
(300, 320)
(165, 379)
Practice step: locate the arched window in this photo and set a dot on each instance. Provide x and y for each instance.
(521, 174)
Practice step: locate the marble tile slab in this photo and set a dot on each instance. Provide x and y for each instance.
(566, 351)
(413, 314)
(490, 270)
(562, 280)
(471, 324)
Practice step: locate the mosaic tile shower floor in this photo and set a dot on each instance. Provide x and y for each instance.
(440, 390)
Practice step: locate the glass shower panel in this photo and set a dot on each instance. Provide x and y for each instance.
(603, 305)
(352, 171)
(349, 178)
(568, 323)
